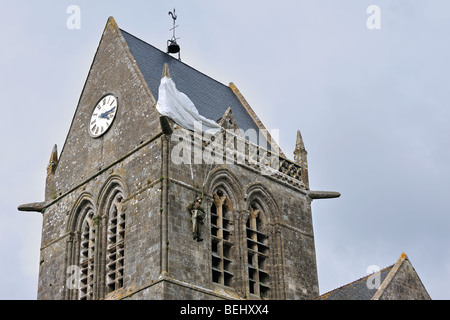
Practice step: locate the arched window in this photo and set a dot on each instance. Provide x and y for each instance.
(115, 242)
(87, 253)
(96, 246)
(257, 252)
(221, 240)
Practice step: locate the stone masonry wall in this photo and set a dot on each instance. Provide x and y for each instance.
(142, 208)
(130, 151)
(113, 71)
(406, 285)
(290, 223)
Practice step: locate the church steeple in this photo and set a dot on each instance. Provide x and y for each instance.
(300, 158)
(98, 187)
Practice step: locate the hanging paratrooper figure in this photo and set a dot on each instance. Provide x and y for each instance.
(197, 216)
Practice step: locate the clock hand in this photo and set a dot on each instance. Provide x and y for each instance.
(104, 115)
(109, 111)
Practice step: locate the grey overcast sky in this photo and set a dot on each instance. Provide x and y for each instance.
(373, 106)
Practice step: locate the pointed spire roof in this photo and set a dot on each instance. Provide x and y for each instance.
(300, 151)
(166, 72)
(54, 155)
(53, 162)
(299, 145)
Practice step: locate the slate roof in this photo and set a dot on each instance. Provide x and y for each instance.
(209, 96)
(356, 290)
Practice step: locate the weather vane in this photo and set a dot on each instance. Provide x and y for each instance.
(172, 45)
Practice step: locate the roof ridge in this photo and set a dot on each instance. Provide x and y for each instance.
(390, 276)
(355, 281)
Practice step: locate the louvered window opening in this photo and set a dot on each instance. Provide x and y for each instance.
(115, 245)
(87, 257)
(221, 246)
(258, 256)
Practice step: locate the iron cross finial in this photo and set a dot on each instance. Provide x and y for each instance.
(172, 46)
(174, 16)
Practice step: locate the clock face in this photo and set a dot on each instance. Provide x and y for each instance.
(103, 116)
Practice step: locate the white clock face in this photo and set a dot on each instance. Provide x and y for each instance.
(103, 116)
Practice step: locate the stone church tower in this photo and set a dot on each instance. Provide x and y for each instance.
(119, 216)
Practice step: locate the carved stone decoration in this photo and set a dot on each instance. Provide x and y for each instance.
(253, 212)
(221, 199)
